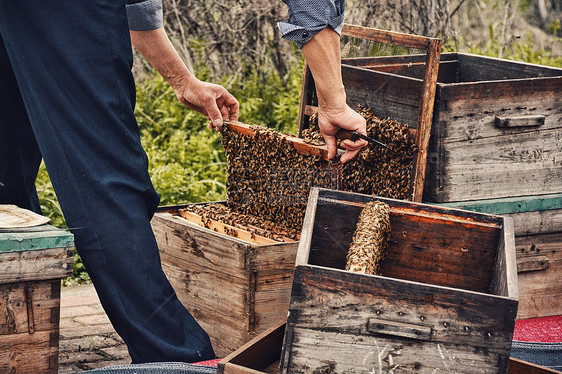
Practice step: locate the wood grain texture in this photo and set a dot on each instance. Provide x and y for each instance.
(540, 290)
(330, 310)
(388, 37)
(256, 355)
(45, 307)
(51, 263)
(29, 353)
(517, 366)
(233, 288)
(425, 246)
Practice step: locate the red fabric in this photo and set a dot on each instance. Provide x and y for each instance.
(212, 363)
(540, 330)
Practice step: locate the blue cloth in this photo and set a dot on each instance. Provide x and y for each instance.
(544, 354)
(155, 368)
(308, 17)
(67, 94)
(144, 14)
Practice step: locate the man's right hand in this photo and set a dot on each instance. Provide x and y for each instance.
(331, 120)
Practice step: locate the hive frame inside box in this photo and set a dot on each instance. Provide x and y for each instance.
(32, 262)
(361, 88)
(234, 288)
(496, 123)
(463, 320)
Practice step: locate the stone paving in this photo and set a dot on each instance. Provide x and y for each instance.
(87, 339)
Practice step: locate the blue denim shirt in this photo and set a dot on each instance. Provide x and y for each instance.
(144, 14)
(306, 17)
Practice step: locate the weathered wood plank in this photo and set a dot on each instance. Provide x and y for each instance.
(425, 117)
(455, 316)
(484, 68)
(539, 222)
(467, 118)
(51, 263)
(179, 238)
(330, 352)
(499, 166)
(504, 282)
(29, 353)
(539, 291)
(507, 205)
(517, 366)
(45, 307)
(256, 355)
(389, 95)
(389, 37)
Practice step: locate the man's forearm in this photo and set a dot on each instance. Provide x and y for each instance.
(156, 47)
(322, 54)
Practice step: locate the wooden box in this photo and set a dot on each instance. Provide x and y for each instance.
(537, 222)
(32, 263)
(497, 124)
(447, 300)
(261, 355)
(234, 288)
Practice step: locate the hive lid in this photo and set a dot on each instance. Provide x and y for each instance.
(34, 238)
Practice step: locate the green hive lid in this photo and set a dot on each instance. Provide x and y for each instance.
(511, 205)
(34, 238)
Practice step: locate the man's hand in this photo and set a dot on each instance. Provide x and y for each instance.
(211, 100)
(330, 121)
(322, 54)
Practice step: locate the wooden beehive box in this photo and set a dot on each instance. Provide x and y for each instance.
(261, 355)
(447, 300)
(32, 263)
(234, 288)
(537, 222)
(497, 124)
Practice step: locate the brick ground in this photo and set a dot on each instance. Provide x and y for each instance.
(87, 339)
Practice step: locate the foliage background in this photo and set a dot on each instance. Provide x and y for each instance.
(236, 43)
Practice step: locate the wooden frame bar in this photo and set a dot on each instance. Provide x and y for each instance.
(432, 46)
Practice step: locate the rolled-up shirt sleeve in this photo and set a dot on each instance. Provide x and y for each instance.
(144, 14)
(308, 17)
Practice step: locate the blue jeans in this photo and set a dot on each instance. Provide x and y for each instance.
(67, 95)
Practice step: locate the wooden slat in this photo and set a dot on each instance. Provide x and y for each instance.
(257, 354)
(227, 229)
(483, 68)
(504, 282)
(300, 145)
(517, 366)
(51, 263)
(425, 117)
(388, 37)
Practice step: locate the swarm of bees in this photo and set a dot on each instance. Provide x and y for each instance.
(269, 181)
(268, 178)
(370, 239)
(223, 213)
(375, 170)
